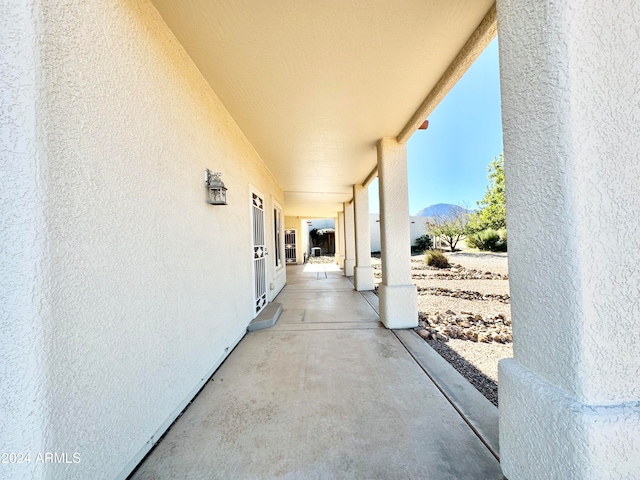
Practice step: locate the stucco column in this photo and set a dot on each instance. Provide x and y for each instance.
(340, 239)
(363, 272)
(398, 296)
(349, 240)
(570, 397)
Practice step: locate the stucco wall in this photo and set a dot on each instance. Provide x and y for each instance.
(417, 229)
(570, 398)
(126, 282)
(22, 242)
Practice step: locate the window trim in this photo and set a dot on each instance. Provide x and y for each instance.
(278, 238)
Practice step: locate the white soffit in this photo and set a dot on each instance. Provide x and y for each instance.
(314, 84)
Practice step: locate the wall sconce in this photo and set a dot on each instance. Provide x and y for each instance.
(217, 190)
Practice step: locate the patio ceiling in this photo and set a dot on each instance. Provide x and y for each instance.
(314, 84)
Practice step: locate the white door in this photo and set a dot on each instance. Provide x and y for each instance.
(290, 252)
(259, 253)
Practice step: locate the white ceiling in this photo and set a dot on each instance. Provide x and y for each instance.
(314, 84)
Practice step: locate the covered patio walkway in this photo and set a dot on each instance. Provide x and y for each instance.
(325, 393)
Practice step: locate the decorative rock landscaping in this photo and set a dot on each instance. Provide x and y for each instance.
(464, 326)
(465, 313)
(466, 294)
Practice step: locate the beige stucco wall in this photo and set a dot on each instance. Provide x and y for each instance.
(121, 288)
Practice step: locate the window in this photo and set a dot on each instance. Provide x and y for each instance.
(277, 221)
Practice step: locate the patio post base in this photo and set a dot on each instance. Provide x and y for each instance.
(349, 266)
(363, 278)
(398, 306)
(545, 432)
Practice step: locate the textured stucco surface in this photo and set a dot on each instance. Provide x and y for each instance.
(22, 242)
(349, 239)
(571, 116)
(581, 442)
(571, 111)
(340, 235)
(127, 285)
(398, 295)
(363, 272)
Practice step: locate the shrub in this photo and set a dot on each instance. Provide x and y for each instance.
(423, 243)
(472, 240)
(489, 240)
(434, 258)
(503, 237)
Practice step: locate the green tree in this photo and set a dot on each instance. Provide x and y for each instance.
(492, 211)
(451, 228)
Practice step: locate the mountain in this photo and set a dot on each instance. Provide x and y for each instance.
(440, 210)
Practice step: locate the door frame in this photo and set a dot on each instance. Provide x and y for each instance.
(252, 191)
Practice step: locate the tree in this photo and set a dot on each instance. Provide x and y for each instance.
(492, 211)
(423, 243)
(451, 228)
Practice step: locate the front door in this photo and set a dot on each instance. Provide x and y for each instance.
(290, 251)
(259, 253)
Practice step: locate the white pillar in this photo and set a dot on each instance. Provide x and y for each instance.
(349, 240)
(398, 296)
(363, 272)
(570, 397)
(340, 239)
(336, 237)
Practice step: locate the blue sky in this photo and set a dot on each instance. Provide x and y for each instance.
(448, 162)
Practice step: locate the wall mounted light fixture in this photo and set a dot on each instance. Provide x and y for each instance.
(217, 190)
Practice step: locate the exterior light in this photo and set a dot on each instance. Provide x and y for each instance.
(217, 190)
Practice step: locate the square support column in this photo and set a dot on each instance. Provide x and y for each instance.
(338, 251)
(349, 240)
(398, 295)
(340, 239)
(363, 272)
(570, 397)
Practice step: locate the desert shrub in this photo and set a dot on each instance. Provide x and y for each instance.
(489, 240)
(503, 237)
(423, 243)
(434, 258)
(472, 240)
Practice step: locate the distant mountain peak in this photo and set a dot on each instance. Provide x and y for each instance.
(440, 210)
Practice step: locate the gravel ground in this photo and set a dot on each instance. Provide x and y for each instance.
(476, 361)
(485, 261)
(438, 303)
(484, 286)
(321, 259)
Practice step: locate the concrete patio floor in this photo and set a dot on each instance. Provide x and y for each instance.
(325, 393)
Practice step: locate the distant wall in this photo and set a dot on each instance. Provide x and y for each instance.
(417, 227)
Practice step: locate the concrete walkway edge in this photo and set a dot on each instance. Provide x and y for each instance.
(479, 413)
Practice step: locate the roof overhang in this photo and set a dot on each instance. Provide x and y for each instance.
(313, 85)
